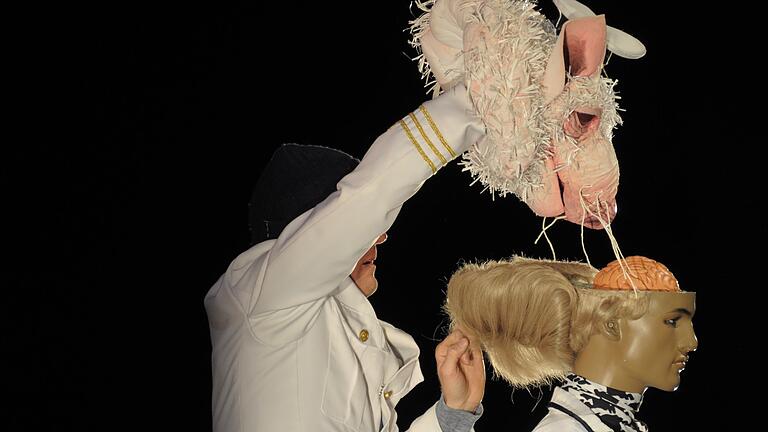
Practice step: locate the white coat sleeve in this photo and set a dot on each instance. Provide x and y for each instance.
(318, 250)
(428, 422)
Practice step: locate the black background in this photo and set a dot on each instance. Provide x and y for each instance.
(151, 122)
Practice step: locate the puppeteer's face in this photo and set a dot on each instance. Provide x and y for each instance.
(364, 273)
(655, 347)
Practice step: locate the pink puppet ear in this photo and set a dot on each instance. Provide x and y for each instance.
(585, 45)
(580, 49)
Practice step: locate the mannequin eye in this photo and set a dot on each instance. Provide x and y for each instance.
(672, 322)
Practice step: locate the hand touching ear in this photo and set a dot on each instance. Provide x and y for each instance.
(461, 371)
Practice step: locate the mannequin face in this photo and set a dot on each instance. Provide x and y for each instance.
(364, 273)
(653, 349)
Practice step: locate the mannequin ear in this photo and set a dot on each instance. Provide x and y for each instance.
(611, 330)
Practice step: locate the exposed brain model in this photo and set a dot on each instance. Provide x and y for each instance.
(645, 273)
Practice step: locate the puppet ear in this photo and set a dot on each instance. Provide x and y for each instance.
(579, 49)
(572, 9)
(585, 45)
(623, 44)
(618, 42)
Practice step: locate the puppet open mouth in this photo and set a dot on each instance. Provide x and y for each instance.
(581, 207)
(589, 173)
(579, 125)
(580, 176)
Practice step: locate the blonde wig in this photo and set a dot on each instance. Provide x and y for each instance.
(532, 316)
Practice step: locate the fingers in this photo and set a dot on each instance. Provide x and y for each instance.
(443, 347)
(474, 374)
(472, 363)
(461, 371)
(466, 358)
(455, 351)
(452, 338)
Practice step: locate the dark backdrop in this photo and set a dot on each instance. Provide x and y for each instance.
(158, 118)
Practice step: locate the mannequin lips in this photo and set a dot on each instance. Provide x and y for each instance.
(681, 362)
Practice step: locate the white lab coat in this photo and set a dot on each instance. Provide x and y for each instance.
(286, 319)
(558, 421)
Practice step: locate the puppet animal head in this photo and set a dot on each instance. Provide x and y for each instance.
(548, 110)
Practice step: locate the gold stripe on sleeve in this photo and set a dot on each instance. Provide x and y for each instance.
(437, 131)
(427, 140)
(418, 147)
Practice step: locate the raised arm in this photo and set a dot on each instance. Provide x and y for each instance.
(316, 251)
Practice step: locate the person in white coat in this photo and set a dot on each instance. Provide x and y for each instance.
(297, 346)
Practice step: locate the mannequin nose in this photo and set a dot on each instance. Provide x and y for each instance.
(691, 344)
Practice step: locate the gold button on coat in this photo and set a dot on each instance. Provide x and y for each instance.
(363, 335)
(387, 394)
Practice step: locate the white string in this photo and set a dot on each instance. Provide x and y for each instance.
(583, 216)
(544, 233)
(614, 243)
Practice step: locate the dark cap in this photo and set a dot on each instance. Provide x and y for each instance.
(296, 178)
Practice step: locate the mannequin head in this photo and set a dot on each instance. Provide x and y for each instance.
(539, 320)
(647, 349)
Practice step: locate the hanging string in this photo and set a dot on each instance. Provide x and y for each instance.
(544, 233)
(611, 237)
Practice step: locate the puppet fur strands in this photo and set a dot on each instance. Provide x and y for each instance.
(504, 51)
(506, 48)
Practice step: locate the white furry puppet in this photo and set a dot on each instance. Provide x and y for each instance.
(548, 110)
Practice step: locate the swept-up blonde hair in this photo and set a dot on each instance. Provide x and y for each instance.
(532, 316)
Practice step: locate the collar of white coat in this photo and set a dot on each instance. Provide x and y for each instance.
(360, 316)
(354, 299)
(573, 404)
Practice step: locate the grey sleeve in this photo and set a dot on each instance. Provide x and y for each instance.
(454, 420)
